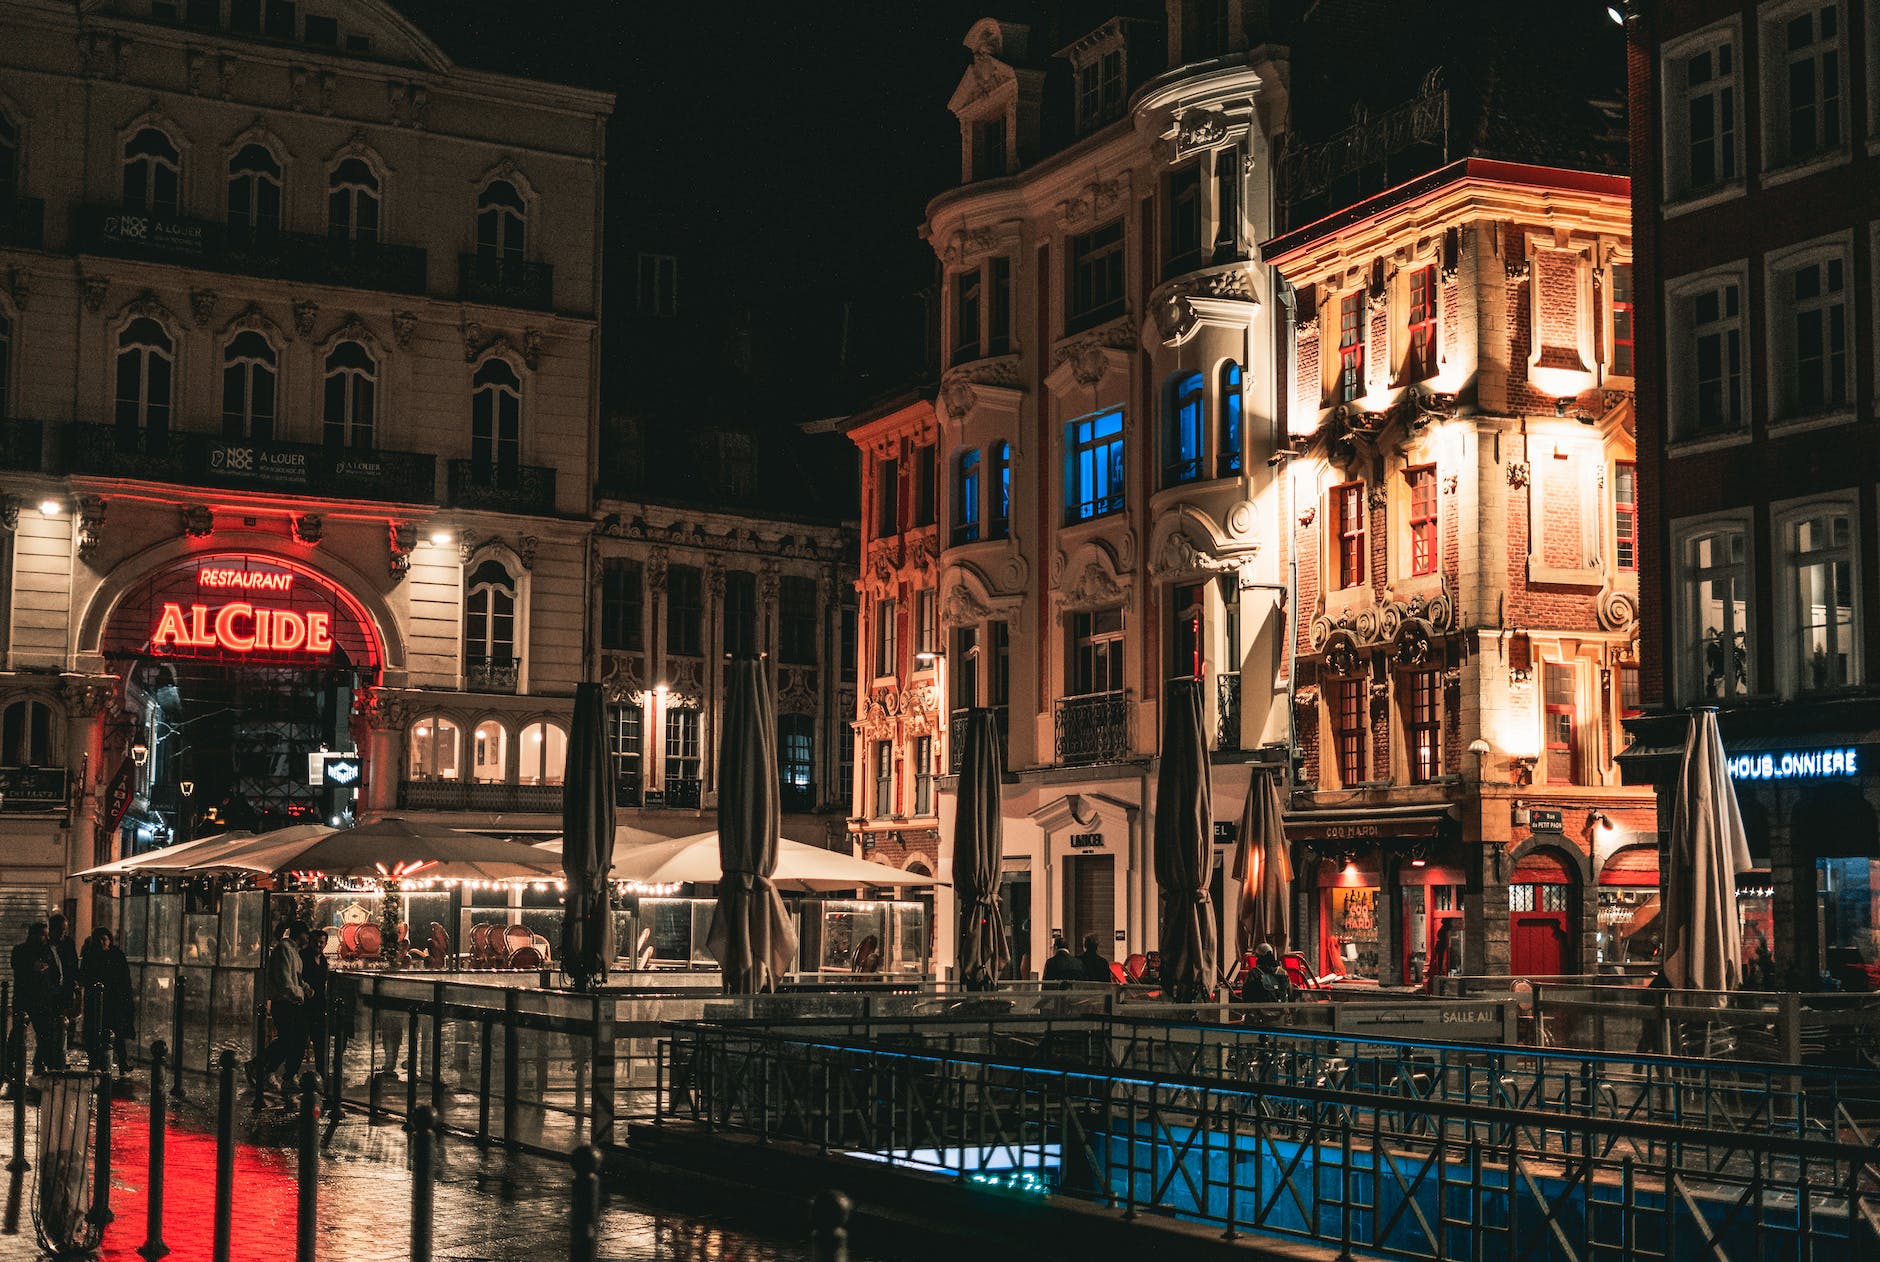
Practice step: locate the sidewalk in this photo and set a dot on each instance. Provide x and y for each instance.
(489, 1206)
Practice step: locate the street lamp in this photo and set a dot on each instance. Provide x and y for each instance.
(140, 753)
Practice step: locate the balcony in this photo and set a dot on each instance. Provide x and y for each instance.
(682, 793)
(492, 674)
(515, 489)
(116, 233)
(22, 446)
(1092, 728)
(475, 795)
(23, 224)
(399, 477)
(505, 282)
(956, 740)
(1227, 705)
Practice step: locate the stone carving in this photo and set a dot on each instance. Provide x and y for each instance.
(1175, 318)
(1085, 352)
(525, 550)
(1307, 697)
(1452, 679)
(1377, 497)
(1197, 129)
(1095, 588)
(796, 690)
(967, 244)
(202, 306)
(531, 347)
(656, 562)
(960, 608)
(309, 528)
(19, 286)
(198, 521)
(1617, 611)
(920, 710)
(621, 678)
(297, 80)
(1517, 474)
(1307, 326)
(96, 289)
(1232, 283)
(90, 525)
(404, 325)
(306, 311)
(1178, 555)
(87, 696)
(957, 397)
(923, 551)
(1449, 484)
(1308, 514)
(328, 83)
(1380, 692)
(1381, 624)
(9, 513)
(399, 542)
(467, 545)
(1517, 269)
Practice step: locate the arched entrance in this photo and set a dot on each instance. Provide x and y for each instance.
(237, 667)
(1540, 901)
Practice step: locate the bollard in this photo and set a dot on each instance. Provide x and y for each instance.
(584, 1220)
(101, 1160)
(153, 1247)
(176, 1041)
(6, 1029)
(423, 1132)
(19, 1164)
(224, 1154)
(830, 1218)
(308, 1206)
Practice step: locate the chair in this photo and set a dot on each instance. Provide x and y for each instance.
(480, 944)
(525, 958)
(349, 942)
(1297, 973)
(437, 948)
(516, 937)
(1117, 974)
(368, 942)
(643, 950)
(868, 956)
(1135, 966)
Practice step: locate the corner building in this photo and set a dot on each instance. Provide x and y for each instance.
(297, 338)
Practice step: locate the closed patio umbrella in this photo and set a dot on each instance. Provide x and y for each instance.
(587, 836)
(1703, 939)
(751, 936)
(1184, 840)
(982, 950)
(1263, 868)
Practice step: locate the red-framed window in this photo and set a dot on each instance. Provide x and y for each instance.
(1348, 513)
(1561, 719)
(1625, 514)
(1630, 707)
(1351, 346)
(1349, 731)
(1421, 482)
(1623, 349)
(1426, 726)
(1420, 362)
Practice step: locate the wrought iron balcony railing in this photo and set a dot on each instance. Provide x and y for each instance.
(956, 739)
(475, 795)
(403, 477)
(1227, 705)
(500, 488)
(22, 446)
(23, 224)
(491, 674)
(326, 260)
(1093, 728)
(683, 793)
(505, 282)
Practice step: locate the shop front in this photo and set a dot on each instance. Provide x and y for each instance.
(1381, 893)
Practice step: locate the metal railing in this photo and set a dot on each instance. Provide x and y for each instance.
(22, 446)
(1227, 698)
(684, 793)
(471, 795)
(209, 459)
(500, 488)
(1092, 728)
(23, 224)
(492, 674)
(505, 282)
(328, 260)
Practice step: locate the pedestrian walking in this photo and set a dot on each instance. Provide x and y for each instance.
(45, 1000)
(31, 962)
(287, 1005)
(1095, 964)
(59, 938)
(113, 1021)
(315, 971)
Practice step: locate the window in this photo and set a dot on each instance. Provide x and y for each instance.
(352, 203)
(1348, 513)
(1420, 326)
(682, 755)
(1227, 462)
(923, 775)
(1624, 326)
(1818, 562)
(659, 285)
(966, 497)
(966, 303)
(1424, 731)
(501, 217)
(1625, 514)
(9, 161)
(887, 497)
(1093, 467)
(925, 472)
(1630, 703)
(351, 394)
(999, 307)
(489, 745)
(884, 779)
(1351, 730)
(152, 174)
(886, 658)
(1182, 245)
(625, 737)
(739, 614)
(26, 731)
(489, 624)
(999, 521)
(846, 632)
(6, 356)
(796, 621)
(202, 12)
(1204, 29)
(1181, 438)
(989, 148)
(1561, 721)
(965, 663)
(248, 377)
(1706, 356)
(544, 754)
(685, 610)
(1099, 90)
(146, 361)
(622, 605)
(1701, 96)
(1421, 484)
(1717, 630)
(1096, 276)
(1096, 652)
(1227, 204)
(1808, 332)
(796, 761)
(274, 18)
(495, 424)
(322, 31)
(1351, 332)
(1187, 655)
(254, 194)
(998, 663)
(1803, 75)
(926, 624)
(434, 749)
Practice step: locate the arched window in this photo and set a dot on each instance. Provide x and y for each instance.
(352, 203)
(489, 621)
(152, 174)
(796, 761)
(544, 754)
(1229, 435)
(254, 194)
(490, 762)
(495, 424)
(146, 362)
(249, 365)
(1182, 450)
(434, 749)
(501, 219)
(9, 161)
(351, 396)
(26, 735)
(999, 492)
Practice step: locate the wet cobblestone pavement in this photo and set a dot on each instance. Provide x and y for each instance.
(489, 1205)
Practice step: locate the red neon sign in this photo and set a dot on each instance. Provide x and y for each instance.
(242, 628)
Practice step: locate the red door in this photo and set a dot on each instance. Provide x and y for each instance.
(1537, 944)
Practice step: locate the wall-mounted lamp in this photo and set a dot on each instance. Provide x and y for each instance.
(188, 787)
(50, 508)
(441, 538)
(929, 656)
(1523, 770)
(1518, 812)
(140, 753)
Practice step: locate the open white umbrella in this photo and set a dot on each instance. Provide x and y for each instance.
(647, 859)
(1703, 940)
(388, 849)
(168, 858)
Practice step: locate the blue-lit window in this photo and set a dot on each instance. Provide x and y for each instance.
(966, 498)
(796, 761)
(1000, 524)
(1093, 467)
(1229, 462)
(1181, 454)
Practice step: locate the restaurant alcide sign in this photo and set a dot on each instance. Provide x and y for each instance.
(32, 788)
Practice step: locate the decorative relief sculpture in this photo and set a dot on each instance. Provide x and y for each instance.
(202, 306)
(1616, 610)
(404, 325)
(1381, 624)
(90, 525)
(198, 521)
(1517, 474)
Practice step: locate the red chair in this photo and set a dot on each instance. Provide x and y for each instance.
(1297, 973)
(516, 939)
(868, 956)
(368, 942)
(437, 948)
(1135, 966)
(1117, 974)
(480, 944)
(525, 958)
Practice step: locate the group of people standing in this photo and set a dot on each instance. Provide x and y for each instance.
(55, 984)
(295, 977)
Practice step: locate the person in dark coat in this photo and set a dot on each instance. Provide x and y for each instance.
(1095, 964)
(45, 999)
(104, 977)
(1266, 981)
(59, 938)
(315, 970)
(31, 961)
(1062, 966)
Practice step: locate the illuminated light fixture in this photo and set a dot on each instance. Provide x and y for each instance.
(441, 538)
(1617, 14)
(50, 508)
(140, 753)
(188, 788)
(928, 655)
(1419, 862)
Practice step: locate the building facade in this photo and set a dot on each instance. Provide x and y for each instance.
(1755, 130)
(1461, 507)
(297, 358)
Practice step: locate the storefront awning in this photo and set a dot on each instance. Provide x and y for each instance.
(1375, 823)
(1634, 865)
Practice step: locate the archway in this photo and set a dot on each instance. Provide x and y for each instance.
(1541, 896)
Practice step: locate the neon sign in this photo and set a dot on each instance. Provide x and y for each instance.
(1809, 764)
(242, 628)
(244, 580)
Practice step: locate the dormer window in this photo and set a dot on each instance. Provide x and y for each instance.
(989, 148)
(1099, 90)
